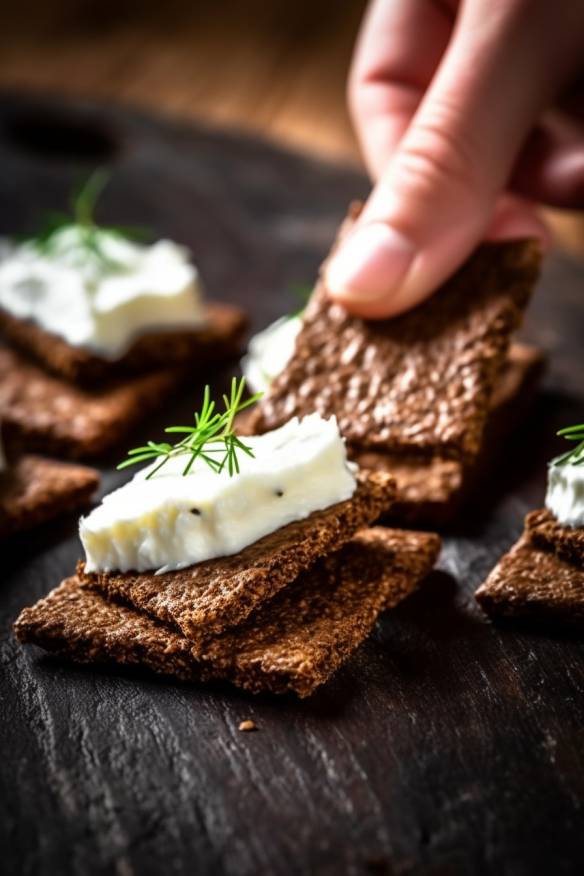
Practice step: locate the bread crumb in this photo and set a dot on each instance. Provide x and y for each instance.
(247, 725)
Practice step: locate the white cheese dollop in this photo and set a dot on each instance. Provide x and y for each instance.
(269, 352)
(565, 493)
(101, 305)
(172, 521)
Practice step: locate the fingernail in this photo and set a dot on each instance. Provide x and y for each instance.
(370, 264)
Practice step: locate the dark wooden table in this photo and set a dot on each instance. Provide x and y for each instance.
(446, 746)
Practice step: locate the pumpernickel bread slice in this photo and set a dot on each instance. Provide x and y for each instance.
(219, 338)
(294, 642)
(432, 491)
(210, 597)
(51, 415)
(34, 489)
(533, 585)
(544, 532)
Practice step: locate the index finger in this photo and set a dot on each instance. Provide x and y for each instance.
(398, 50)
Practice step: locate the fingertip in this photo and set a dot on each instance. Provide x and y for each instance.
(379, 273)
(367, 269)
(365, 309)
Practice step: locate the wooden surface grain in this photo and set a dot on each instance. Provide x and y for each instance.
(446, 746)
(273, 68)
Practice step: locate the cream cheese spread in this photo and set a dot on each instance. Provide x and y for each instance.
(171, 520)
(565, 493)
(269, 352)
(100, 302)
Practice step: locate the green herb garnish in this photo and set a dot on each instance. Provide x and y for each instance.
(212, 434)
(576, 455)
(82, 219)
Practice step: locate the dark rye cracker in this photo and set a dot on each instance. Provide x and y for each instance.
(536, 586)
(218, 339)
(421, 382)
(80, 624)
(209, 597)
(293, 643)
(544, 532)
(51, 415)
(429, 492)
(298, 639)
(432, 491)
(34, 490)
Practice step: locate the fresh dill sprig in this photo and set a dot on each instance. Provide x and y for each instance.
(211, 439)
(82, 219)
(576, 455)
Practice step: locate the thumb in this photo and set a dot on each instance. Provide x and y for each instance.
(435, 199)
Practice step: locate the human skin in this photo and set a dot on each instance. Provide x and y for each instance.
(469, 114)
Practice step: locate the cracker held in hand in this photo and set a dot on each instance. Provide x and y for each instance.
(211, 596)
(34, 490)
(294, 642)
(418, 382)
(415, 394)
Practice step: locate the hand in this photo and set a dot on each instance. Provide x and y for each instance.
(468, 115)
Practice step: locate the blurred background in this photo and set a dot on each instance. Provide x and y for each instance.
(264, 65)
(269, 67)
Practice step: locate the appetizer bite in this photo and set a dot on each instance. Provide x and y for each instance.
(415, 394)
(34, 490)
(541, 579)
(242, 559)
(93, 314)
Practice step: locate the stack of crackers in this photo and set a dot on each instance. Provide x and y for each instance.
(280, 616)
(65, 401)
(70, 402)
(541, 579)
(34, 489)
(422, 401)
